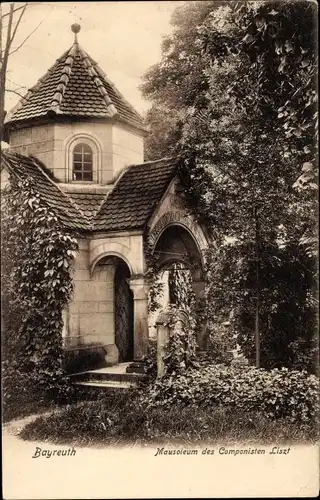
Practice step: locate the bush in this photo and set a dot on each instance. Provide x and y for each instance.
(276, 394)
(150, 360)
(23, 393)
(122, 417)
(110, 417)
(36, 257)
(220, 342)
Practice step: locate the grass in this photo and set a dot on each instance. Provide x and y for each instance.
(118, 417)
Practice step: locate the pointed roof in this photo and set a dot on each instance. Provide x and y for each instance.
(75, 86)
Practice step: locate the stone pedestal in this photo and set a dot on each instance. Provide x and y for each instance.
(163, 334)
(140, 291)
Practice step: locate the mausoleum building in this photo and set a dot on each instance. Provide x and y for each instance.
(81, 143)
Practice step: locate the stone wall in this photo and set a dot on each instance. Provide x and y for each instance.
(127, 246)
(114, 147)
(38, 141)
(127, 148)
(89, 319)
(90, 313)
(173, 211)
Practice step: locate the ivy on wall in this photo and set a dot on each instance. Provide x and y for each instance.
(37, 254)
(181, 348)
(152, 276)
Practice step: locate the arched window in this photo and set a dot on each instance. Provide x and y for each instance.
(82, 163)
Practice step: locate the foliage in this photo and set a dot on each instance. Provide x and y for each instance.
(36, 285)
(240, 80)
(21, 393)
(161, 120)
(277, 393)
(150, 361)
(152, 277)
(180, 352)
(287, 319)
(180, 286)
(120, 417)
(220, 343)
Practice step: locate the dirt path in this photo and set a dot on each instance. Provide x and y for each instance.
(14, 427)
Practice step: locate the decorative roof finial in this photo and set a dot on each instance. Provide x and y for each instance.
(75, 28)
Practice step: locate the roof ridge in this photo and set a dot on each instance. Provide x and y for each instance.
(125, 171)
(19, 157)
(152, 162)
(75, 85)
(103, 74)
(63, 81)
(111, 109)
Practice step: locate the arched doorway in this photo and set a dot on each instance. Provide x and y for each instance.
(123, 311)
(177, 252)
(177, 245)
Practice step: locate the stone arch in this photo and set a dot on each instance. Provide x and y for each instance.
(179, 218)
(111, 249)
(187, 229)
(179, 239)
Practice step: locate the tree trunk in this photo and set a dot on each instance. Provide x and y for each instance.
(257, 326)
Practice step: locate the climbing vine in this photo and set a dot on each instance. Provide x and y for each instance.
(181, 347)
(180, 285)
(152, 276)
(37, 254)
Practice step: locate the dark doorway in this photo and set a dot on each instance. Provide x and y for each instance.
(123, 313)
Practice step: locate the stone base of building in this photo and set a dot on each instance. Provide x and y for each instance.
(84, 358)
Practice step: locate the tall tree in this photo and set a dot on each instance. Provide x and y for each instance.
(245, 90)
(10, 22)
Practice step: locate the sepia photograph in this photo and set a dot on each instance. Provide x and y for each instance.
(159, 249)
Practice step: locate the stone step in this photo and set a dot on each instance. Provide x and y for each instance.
(106, 384)
(135, 367)
(201, 354)
(98, 376)
(113, 376)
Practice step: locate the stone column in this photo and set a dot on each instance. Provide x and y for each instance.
(140, 291)
(163, 334)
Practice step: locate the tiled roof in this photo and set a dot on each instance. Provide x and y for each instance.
(129, 205)
(135, 196)
(74, 86)
(22, 166)
(89, 203)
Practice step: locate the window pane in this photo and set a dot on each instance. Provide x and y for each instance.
(87, 167)
(82, 163)
(87, 176)
(86, 149)
(77, 176)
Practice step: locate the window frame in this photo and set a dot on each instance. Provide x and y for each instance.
(82, 156)
(95, 147)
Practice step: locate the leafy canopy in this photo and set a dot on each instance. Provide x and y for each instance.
(236, 87)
